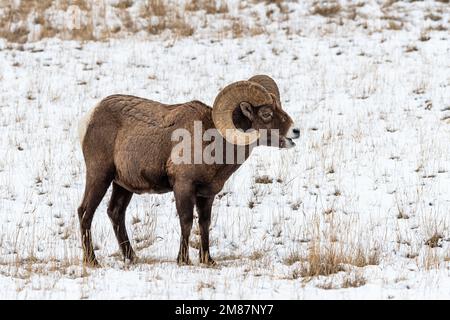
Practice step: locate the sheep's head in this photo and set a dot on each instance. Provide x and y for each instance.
(245, 109)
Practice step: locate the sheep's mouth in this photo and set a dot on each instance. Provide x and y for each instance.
(287, 143)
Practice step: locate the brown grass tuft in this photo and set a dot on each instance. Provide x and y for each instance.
(123, 4)
(165, 21)
(411, 48)
(424, 36)
(256, 255)
(156, 7)
(237, 29)
(181, 28)
(158, 27)
(264, 180)
(326, 8)
(394, 25)
(432, 16)
(19, 16)
(353, 280)
(330, 259)
(210, 6)
(434, 241)
(13, 25)
(292, 258)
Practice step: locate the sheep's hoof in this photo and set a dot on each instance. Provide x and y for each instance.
(210, 263)
(207, 260)
(184, 262)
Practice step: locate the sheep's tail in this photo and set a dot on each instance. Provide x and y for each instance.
(83, 125)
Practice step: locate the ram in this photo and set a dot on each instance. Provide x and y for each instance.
(128, 142)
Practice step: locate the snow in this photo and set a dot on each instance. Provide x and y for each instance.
(370, 171)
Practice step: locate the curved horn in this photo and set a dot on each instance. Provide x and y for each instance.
(268, 83)
(228, 100)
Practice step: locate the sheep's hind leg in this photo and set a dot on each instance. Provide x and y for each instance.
(117, 207)
(204, 207)
(184, 199)
(93, 195)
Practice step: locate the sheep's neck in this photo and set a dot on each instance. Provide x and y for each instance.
(241, 122)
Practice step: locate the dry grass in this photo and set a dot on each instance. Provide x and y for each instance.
(353, 280)
(205, 285)
(156, 7)
(256, 255)
(411, 48)
(176, 24)
(432, 16)
(210, 6)
(158, 16)
(349, 280)
(84, 33)
(292, 258)
(394, 25)
(326, 8)
(430, 260)
(424, 36)
(181, 28)
(264, 179)
(14, 27)
(237, 29)
(439, 27)
(144, 231)
(435, 241)
(82, 4)
(332, 257)
(123, 4)
(161, 17)
(256, 30)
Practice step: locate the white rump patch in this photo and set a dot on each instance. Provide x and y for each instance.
(83, 125)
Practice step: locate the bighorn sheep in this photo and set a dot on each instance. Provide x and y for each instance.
(127, 141)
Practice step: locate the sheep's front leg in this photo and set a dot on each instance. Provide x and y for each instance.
(184, 199)
(204, 206)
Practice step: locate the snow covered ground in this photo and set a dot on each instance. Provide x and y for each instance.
(359, 209)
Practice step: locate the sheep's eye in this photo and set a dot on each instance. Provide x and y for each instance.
(267, 116)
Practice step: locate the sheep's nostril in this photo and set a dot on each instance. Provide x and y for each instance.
(296, 131)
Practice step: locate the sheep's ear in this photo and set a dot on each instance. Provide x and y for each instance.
(276, 101)
(247, 110)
